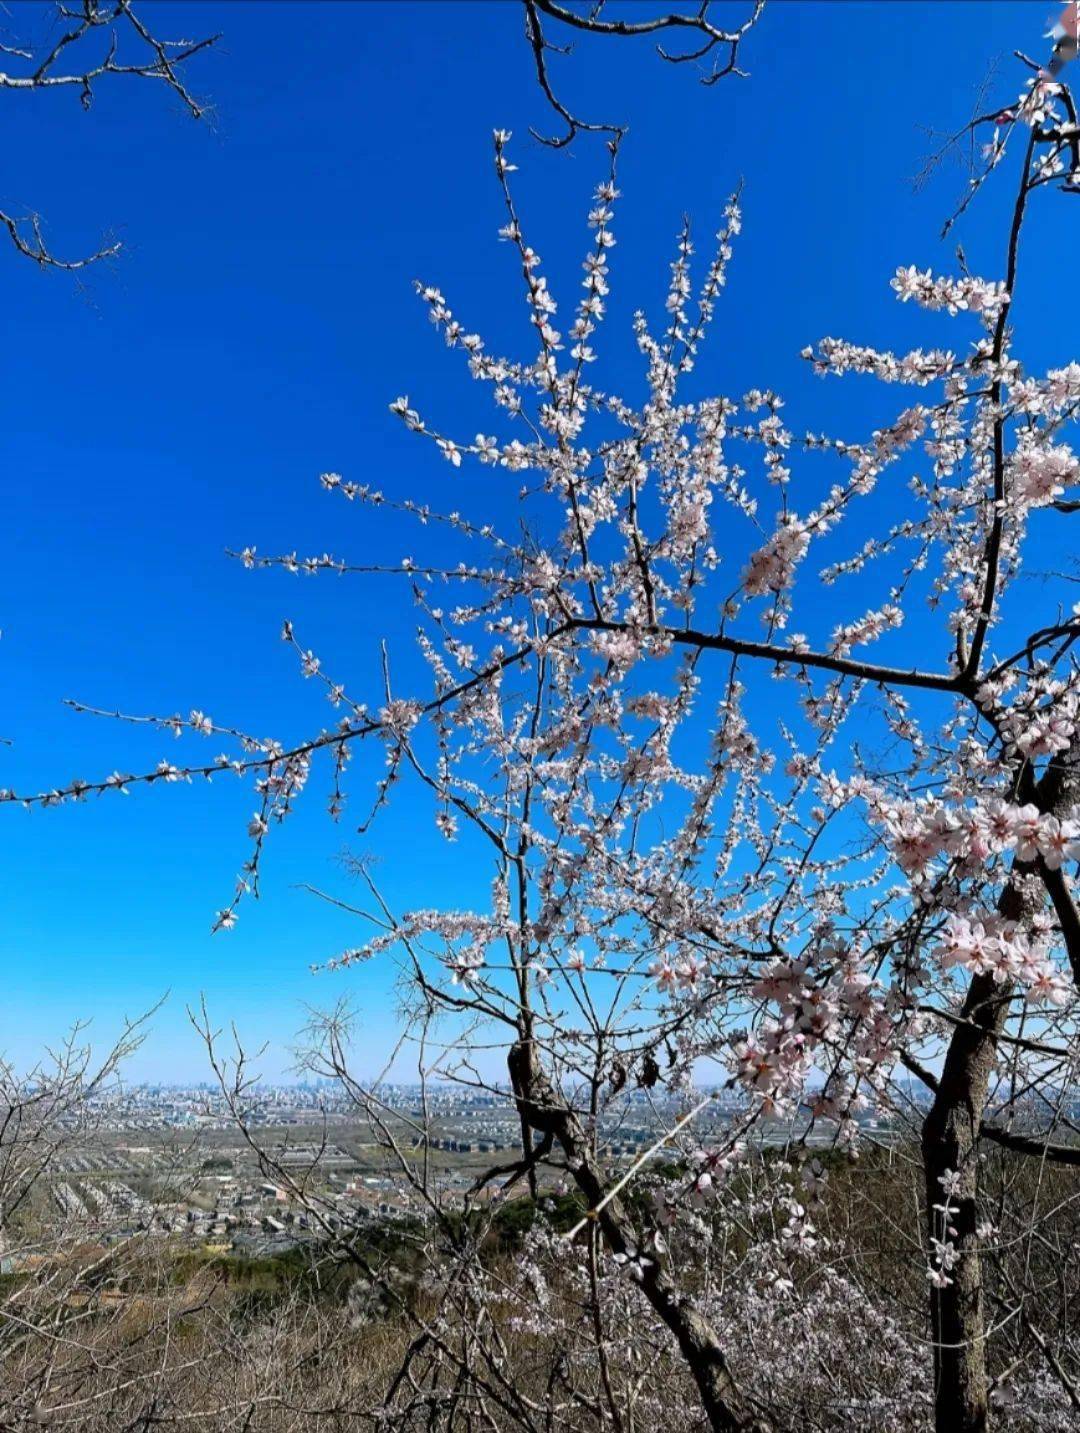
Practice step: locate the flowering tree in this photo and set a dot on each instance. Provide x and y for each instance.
(700, 879)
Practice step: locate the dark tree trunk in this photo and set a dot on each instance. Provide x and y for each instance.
(950, 1135)
(950, 1141)
(726, 1407)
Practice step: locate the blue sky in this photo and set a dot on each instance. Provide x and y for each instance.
(250, 337)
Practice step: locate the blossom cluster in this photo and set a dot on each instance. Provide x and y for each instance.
(973, 294)
(1038, 717)
(1040, 472)
(1001, 949)
(920, 831)
(820, 997)
(772, 567)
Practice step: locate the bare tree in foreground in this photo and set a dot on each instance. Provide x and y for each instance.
(734, 856)
(109, 1320)
(93, 41)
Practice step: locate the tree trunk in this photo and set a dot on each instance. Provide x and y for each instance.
(950, 1134)
(950, 1141)
(726, 1407)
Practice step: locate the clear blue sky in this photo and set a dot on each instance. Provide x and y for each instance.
(251, 336)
